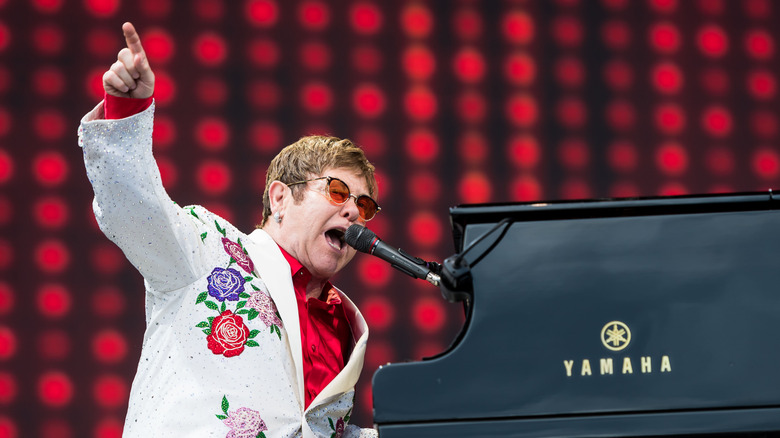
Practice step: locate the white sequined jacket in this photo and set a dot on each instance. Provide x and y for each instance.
(222, 349)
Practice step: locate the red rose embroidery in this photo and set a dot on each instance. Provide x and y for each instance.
(237, 252)
(228, 334)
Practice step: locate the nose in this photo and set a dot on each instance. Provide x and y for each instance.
(350, 209)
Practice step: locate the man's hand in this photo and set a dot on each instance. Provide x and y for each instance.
(130, 75)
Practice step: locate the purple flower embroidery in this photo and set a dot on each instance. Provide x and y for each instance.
(225, 284)
(339, 428)
(237, 252)
(244, 423)
(261, 302)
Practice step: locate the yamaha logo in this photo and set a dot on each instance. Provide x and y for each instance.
(615, 335)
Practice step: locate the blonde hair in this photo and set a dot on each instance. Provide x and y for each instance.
(310, 156)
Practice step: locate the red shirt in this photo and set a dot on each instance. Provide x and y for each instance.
(325, 332)
(326, 337)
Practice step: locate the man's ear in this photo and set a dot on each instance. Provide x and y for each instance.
(277, 192)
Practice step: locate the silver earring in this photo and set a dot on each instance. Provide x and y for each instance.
(278, 218)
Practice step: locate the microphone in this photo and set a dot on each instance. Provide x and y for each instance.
(365, 240)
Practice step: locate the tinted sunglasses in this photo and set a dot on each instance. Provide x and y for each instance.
(339, 194)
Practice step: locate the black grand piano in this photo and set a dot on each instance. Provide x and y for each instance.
(608, 318)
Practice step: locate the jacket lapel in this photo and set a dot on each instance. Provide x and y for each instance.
(274, 270)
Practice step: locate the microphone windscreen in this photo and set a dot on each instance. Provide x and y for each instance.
(359, 237)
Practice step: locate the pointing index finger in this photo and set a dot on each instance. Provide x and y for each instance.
(132, 39)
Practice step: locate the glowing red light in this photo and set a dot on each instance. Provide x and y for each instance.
(168, 171)
(717, 121)
(518, 27)
(622, 156)
(47, 39)
(366, 18)
(618, 75)
(8, 427)
(214, 177)
(418, 62)
(672, 158)
(367, 59)
(616, 35)
(210, 9)
(264, 94)
(263, 52)
(164, 88)
(425, 229)
(715, 81)
(164, 132)
(108, 428)
(372, 141)
(567, 31)
(670, 118)
(575, 189)
(109, 346)
(374, 272)
(471, 106)
(210, 49)
(520, 69)
(368, 100)
(417, 20)
(422, 145)
(475, 188)
(569, 71)
(7, 343)
(378, 310)
(7, 388)
(667, 78)
(55, 389)
(469, 65)
(525, 189)
(665, 37)
(47, 6)
(50, 168)
(428, 314)
(52, 256)
(766, 163)
(211, 90)
(720, 161)
(107, 258)
(6, 298)
(316, 97)
(156, 8)
(108, 302)
(663, 5)
(6, 167)
(420, 103)
(423, 187)
(110, 391)
(620, 115)
(472, 148)
(48, 82)
(574, 154)
(524, 151)
(379, 353)
(757, 9)
(673, 189)
(623, 189)
(102, 8)
(764, 123)
(94, 84)
(315, 56)
(314, 15)
(158, 45)
(101, 41)
(262, 13)
(761, 84)
(571, 112)
(467, 23)
(713, 7)
(265, 136)
(759, 44)
(49, 124)
(521, 110)
(712, 41)
(53, 300)
(212, 133)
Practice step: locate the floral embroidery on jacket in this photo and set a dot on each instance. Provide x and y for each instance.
(243, 422)
(227, 333)
(338, 427)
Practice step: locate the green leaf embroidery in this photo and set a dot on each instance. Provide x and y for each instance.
(346, 418)
(232, 260)
(260, 435)
(203, 324)
(242, 311)
(202, 297)
(207, 331)
(220, 229)
(244, 294)
(192, 212)
(225, 405)
(254, 287)
(222, 417)
(251, 343)
(247, 278)
(224, 307)
(253, 333)
(330, 421)
(278, 332)
(211, 305)
(240, 304)
(253, 314)
(203, 236)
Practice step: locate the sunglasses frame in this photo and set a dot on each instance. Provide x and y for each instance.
(349, 194)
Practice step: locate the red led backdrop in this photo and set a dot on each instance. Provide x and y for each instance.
(456, 102)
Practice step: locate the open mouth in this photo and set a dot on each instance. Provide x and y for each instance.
(335, 238)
